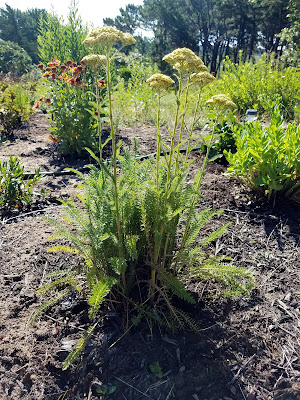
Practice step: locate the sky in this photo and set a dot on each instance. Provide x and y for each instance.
(91, 11)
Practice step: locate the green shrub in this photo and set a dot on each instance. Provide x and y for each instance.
(224, 138)
(13, 58)
(15, 191)
(62, 40)
(253, 85)
(15, 105)
(268, 158)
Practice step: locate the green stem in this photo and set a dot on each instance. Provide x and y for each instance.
(192, 127)
(182, 121)
(169, 166)
(99, 124)
(114, 159)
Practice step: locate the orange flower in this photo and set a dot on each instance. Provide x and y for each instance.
(53, 138)
(53, 76)
(54, 62)
(41, 67)
(63, 67)
(53, 70)
(36, 106)
(48, 69)
(46, 74)
(69, 62)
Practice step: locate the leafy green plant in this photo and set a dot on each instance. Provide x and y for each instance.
(14, 190)
(13, 58)
(268, 158)
(253, 85)
(59, 39)
(15, 105)
(224, 138)
(73, 106)
(138, 227)
(155, 369)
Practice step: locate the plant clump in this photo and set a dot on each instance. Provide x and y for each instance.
(139, 228)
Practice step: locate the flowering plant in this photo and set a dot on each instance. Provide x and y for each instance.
(72, 105)
(137, 226)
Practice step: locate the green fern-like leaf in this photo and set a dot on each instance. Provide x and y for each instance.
(175, 286)
(49, 303)
(235, 280)
(66, 249)
(67, 280)
(98, 293)
(78, 348)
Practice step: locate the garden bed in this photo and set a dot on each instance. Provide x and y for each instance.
(246, 348)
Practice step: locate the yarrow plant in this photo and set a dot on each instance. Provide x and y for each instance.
(138, 229)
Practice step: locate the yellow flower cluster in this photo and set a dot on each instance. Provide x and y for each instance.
(202, 78)
(127, 39)
(160, 81)
(185, 60)
(107, 36)
(221, 100)
(94, 60)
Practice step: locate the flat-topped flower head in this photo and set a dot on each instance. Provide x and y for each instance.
(160, 81)
(221, 100)
(185, 60)
(107, 36)
(202, 78)
(94, 60)
(127, 39)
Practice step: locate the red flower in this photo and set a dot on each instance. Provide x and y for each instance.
(69, 62)
(101, 84)
(63, 67)
(48, 69)
(48, 101)
(41, 67)
(53, 70)
(80, 68)
(46, 74)
(77, 81)
(53, 76)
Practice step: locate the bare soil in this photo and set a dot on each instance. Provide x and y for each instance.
(246, 348)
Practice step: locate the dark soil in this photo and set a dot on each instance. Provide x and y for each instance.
(246, 348)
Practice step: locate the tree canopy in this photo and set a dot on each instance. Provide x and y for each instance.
(21, 27)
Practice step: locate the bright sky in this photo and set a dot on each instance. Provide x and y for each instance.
(91, 11)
